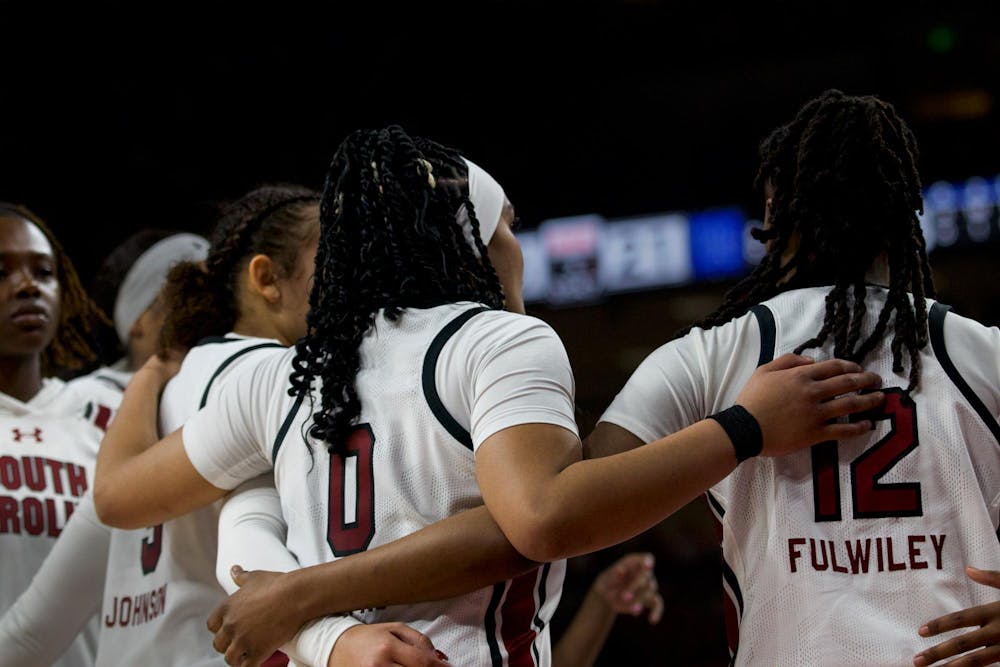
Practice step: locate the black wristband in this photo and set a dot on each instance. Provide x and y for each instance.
(742, 429)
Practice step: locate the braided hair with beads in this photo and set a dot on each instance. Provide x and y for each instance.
(846, 193)
(390, 239)
(200, 298)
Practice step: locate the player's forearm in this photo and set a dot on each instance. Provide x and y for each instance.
(252, 533)
(67, 587)
(594, 504)
(452, 557)
(133, 431)
(584, 638)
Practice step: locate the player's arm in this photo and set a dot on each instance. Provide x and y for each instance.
(252, 534)
(552, 505)
(67, 589)
(452, 557)
(627, 587)
(136, 484)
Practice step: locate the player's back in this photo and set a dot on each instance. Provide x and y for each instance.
(410, 463)
(838, 554)
(161, 585)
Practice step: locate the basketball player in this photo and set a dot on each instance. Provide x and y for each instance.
(127, 286)
(433, 400)
(160, 582)
(71, 579)
(49, 430)
(835, 556)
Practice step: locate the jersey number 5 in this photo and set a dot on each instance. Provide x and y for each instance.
(351, 522)
(872, 499)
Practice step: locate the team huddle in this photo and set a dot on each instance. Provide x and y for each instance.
(335, 438)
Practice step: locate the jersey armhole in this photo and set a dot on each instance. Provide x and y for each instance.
(431, 395)
(936, 325)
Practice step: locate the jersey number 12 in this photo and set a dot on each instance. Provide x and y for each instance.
(872, 499)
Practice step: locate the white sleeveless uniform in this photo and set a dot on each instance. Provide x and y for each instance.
(48, 447)
(433, 385)
(838, 554)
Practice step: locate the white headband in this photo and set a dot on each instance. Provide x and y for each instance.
(149, 273)
(487, 197)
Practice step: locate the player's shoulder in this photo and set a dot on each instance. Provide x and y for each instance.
(213, 360)
(961, 338)
(218, 349)
(504, 324)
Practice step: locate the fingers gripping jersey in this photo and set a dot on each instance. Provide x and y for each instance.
(838, 554)
(433, 385)
(47, 451)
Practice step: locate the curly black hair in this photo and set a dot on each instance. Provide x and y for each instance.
(200, 298)
(72, 347)
(391, 239)
(845, 185)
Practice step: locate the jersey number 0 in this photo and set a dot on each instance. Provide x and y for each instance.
(872, 499)
(351, 522)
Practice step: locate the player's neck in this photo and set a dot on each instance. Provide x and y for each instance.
(21, 377)
(878, 272)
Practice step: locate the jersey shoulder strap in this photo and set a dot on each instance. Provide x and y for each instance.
(441, 413)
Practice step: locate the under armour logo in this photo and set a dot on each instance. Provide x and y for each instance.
(36, 434)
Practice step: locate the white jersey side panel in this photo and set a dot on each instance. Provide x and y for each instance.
(161, 585)
(48, 447)
(838, 554)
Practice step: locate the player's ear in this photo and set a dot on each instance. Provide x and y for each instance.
(262, 278)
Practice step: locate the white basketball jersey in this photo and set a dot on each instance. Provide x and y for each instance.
(836, 555)
(160, 585)
(48, 447)
(409, 463)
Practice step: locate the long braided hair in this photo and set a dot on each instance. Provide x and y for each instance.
(845, 187)
(200, 298)
(72, 347)
(390, 239)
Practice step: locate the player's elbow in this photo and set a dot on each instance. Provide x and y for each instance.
(112, 509)
(540, 538)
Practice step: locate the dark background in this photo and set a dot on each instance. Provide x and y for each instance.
(114, 118)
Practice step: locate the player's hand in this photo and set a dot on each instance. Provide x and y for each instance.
(247, 629)
(630, 587)
(385, 645)
(164, 364)
(796, 400)
(985, 639)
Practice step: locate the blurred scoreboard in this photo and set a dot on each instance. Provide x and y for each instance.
(581, 259)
